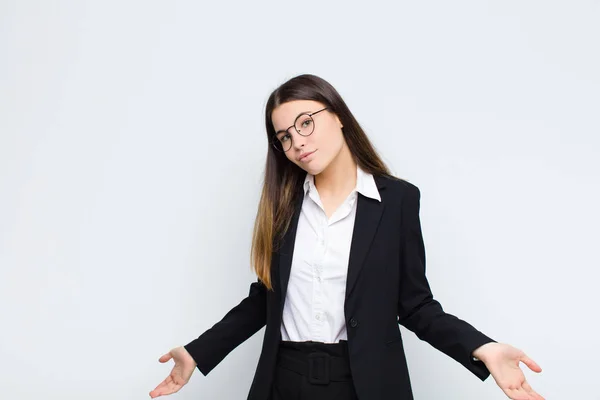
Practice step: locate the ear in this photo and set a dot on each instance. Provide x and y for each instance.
(338, 121)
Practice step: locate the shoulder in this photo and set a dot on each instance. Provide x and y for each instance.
(398, 187)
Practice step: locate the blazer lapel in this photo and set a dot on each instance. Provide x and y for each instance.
(368, 215)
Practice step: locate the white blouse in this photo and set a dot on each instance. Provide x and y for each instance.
(314, 303)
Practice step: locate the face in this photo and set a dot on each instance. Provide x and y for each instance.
(315, 152)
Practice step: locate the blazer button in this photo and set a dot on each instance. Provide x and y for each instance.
(353, 322)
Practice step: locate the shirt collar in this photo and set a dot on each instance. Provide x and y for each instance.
(365, 184)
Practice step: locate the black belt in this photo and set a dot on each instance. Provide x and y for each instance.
(318, 367)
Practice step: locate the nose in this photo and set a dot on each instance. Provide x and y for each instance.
(298, 141)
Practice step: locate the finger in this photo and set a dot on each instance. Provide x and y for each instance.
(162, 387)
(175, 387)
(163, 391)
(528, 395)
(531, 392)
(165, 357)
(516, 394)
(531, 364)
(170, 388)
(154, 394)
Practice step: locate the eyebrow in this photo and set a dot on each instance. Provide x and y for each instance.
(299, 114)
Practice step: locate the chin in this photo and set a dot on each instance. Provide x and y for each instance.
(313, 169)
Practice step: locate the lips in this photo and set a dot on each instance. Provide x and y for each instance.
(305, 155)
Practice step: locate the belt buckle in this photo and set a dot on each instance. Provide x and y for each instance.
(314, 366)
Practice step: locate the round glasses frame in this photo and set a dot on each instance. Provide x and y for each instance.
(277, 143)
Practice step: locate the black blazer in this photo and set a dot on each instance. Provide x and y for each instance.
(386, 286)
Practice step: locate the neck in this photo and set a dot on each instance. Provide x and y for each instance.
(339, 178)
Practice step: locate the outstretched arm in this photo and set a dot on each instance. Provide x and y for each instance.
(422, 314)
(418, 311)
(240, 323)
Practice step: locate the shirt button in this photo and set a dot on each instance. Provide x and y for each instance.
(319, 278)
(353, 322)
(318, 316)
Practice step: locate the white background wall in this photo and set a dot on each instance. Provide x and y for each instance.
(132, 146)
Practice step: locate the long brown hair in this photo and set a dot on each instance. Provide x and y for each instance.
(283, 179)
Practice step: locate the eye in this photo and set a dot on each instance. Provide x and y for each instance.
(283, 137)
(306, 123)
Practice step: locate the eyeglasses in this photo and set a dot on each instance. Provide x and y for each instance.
(304, 125)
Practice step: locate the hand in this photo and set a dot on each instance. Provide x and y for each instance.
(180, 375)
(502, 360)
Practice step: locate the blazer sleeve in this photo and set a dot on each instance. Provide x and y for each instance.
(418, 311)
(240, 323)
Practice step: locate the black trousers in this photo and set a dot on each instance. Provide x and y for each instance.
(313, 371)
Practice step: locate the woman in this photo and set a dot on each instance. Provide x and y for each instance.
(339, 239)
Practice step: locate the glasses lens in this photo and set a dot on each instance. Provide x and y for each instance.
(282, 141)
(304, 125)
